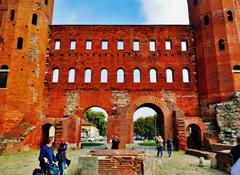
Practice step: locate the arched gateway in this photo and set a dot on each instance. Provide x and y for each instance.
(121, 122)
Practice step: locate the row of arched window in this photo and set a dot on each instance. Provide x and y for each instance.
(229, 18)
(34, 17)
(153, 76)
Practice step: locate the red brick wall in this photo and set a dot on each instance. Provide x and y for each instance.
(121, 100)
(22, 100)
(215, 77)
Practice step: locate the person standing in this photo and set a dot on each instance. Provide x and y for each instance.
(61, 156)
(159, 146)
(169, 146)
(115, 142)
(47, 158)
(235, 155)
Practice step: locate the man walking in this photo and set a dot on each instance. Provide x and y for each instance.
(169, 146)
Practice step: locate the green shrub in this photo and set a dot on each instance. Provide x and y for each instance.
(147, 144)
(91, 144)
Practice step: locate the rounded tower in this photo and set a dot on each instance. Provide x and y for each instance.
(217, 41)
(24, 26)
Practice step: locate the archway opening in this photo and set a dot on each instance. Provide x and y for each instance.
(48, 130)
(148, 122)
(194, 138)
(94, 125)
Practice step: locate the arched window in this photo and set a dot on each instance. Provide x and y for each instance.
(3, 76)
(88, 76)
(12, 15)
(206, 20)
(236, 74)
(221, 44)
(104, 76)
(236, 69)
(20, 43)
(120, 76)
(55, 77)
(46, 2)
(229, 15)
(153, 75)
(136, 76)
(34, 19)
(169, 75)
(185, 75)
(71, 75)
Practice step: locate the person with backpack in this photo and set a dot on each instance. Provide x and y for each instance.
(63, 162)
(160, 146)
(48, 161)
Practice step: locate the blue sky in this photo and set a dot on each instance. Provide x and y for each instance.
(120, 12)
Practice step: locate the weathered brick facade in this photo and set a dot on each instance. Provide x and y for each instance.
(32, 101)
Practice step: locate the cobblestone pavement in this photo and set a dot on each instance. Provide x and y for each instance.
(179, 164)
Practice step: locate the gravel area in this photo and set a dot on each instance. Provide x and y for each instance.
(179, 164)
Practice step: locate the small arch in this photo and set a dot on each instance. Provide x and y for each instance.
(104, 76)
(46, 2)
(20, 43)
(34, 19)
(194, 137)
(88, 76)
(221, 44)
(185, 75)
(230, 15)
(206, 20)
(55, 77)
(48, 130)
(4, 70)
(120, 75)
(12, 15)
(71, 75)
(169, 75)
(136, 76)
(153, 76)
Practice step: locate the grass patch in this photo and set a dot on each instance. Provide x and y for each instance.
(91, 144)
(147, 144)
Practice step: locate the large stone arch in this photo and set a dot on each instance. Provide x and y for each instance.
(159, 103)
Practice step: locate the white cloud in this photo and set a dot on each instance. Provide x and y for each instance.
(165, 11)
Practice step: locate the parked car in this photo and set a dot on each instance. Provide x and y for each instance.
(99, 138)
(84, 139)
(90, 139)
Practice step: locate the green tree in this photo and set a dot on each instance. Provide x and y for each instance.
(147, 127)
(98, 119)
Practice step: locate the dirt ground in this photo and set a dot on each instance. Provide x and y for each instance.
(179, 164)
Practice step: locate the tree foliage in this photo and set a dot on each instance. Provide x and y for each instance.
(147, 126)
(98, 119)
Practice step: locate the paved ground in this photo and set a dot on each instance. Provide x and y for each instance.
(179, 164)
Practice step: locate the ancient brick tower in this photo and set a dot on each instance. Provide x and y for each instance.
(217, 41)
(24, 28)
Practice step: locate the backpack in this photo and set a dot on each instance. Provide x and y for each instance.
(60, 156)
(52, 170)
(37, 171)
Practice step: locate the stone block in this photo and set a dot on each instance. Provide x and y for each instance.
(153, 166)
(88, 166)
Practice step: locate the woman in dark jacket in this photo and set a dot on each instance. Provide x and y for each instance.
(46, 156)
(62, 157)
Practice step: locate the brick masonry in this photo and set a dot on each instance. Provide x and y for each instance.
(32, 101)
